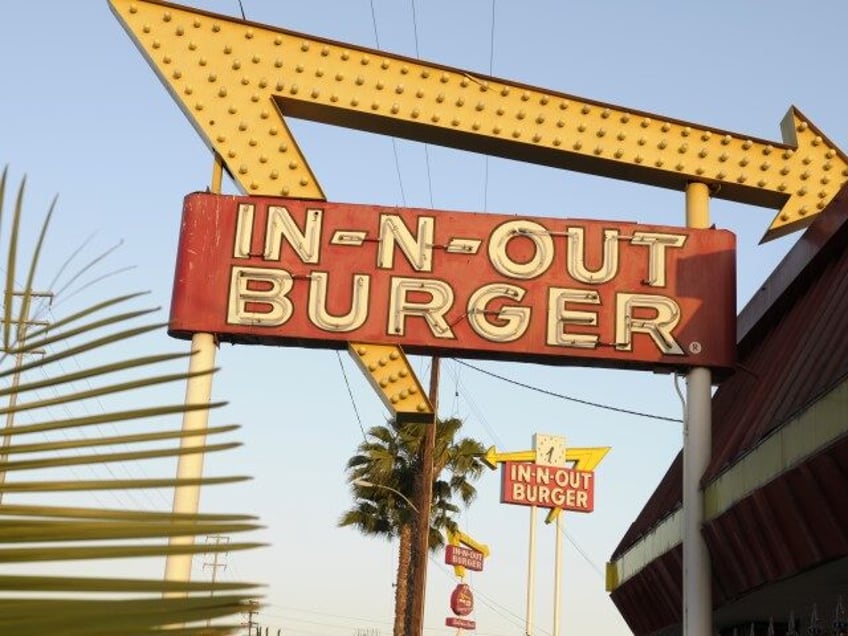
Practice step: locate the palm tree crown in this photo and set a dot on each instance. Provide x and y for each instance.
(382, 475)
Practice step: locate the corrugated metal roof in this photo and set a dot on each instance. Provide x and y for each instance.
(793, 348)
(791, 524)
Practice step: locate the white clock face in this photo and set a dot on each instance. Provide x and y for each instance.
(550, 449)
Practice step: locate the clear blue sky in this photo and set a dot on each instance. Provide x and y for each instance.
(83, 116)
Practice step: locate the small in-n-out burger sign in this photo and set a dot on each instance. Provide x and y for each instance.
(561, 291)
(533, 484)
(465, 557)
(462, 600)
(460, 623)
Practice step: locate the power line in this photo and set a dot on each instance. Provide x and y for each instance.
(569, 398)
(394, 140)
(491, 68)
(426, 146)
(350, 393)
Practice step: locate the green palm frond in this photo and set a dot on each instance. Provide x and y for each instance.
(40, 451)
(388, 458)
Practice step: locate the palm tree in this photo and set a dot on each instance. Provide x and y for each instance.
(41, 450)
(382, 476)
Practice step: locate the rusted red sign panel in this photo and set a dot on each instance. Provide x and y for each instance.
(557, 291)
(530, 484)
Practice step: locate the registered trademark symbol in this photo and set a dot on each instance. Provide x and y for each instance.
(695, 347)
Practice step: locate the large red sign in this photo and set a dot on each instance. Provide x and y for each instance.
(559, 291)
(532, 484)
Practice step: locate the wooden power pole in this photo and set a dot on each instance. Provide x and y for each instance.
(424, 496)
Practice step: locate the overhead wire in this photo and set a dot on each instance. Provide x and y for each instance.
(394, 140)
(569, 398)
(62, 296)
(124, 466)
(475, 408)
(491, 70)
(492, 604)
(497, 608)
(426, 146)
(45, 306)
(350, 394)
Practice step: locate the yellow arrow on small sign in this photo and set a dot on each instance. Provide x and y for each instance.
(236, 80)
(492, 457)
(580, 458)
(459, 537)
(583, 459)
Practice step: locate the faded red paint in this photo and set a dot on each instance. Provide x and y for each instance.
(465, 557)
(462, 600)
(530, 484)
(699, 284)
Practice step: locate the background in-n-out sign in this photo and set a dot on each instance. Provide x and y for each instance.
(531, 484)
(465, 557)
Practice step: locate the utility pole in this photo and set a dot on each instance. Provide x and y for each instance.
(252, 609)
(217, 539)
(20, 337)
(424, 492)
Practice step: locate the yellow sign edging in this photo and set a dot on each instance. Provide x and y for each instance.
(237, 80)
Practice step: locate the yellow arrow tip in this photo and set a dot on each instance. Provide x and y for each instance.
(814, 172)
(490, 458)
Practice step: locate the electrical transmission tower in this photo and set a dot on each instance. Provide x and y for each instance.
(217, 539)
(251, 609)
(18, 347)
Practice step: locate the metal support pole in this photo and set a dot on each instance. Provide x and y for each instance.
(190, 466)
(697, 446)
(425, 496)
(531, 574)
(187, 498)
(557, 573)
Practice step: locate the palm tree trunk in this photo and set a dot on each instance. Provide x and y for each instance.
(402, 581)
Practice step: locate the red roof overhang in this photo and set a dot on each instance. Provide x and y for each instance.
(793, 353)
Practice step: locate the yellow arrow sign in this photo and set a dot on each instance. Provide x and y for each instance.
(391, 375)
(492, 457)
(580, 458)
(584, 459)
(458, 537)
(219, 71)
(235, 80)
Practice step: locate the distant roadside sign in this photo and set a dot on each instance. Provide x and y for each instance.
(531, 484)
(466, 557)
(460, 623)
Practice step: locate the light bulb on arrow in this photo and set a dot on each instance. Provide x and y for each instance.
(237, 80)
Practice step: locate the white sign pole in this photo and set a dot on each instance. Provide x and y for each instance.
(198, 391)
(697, 446)
(531, 574)
(557, 573)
